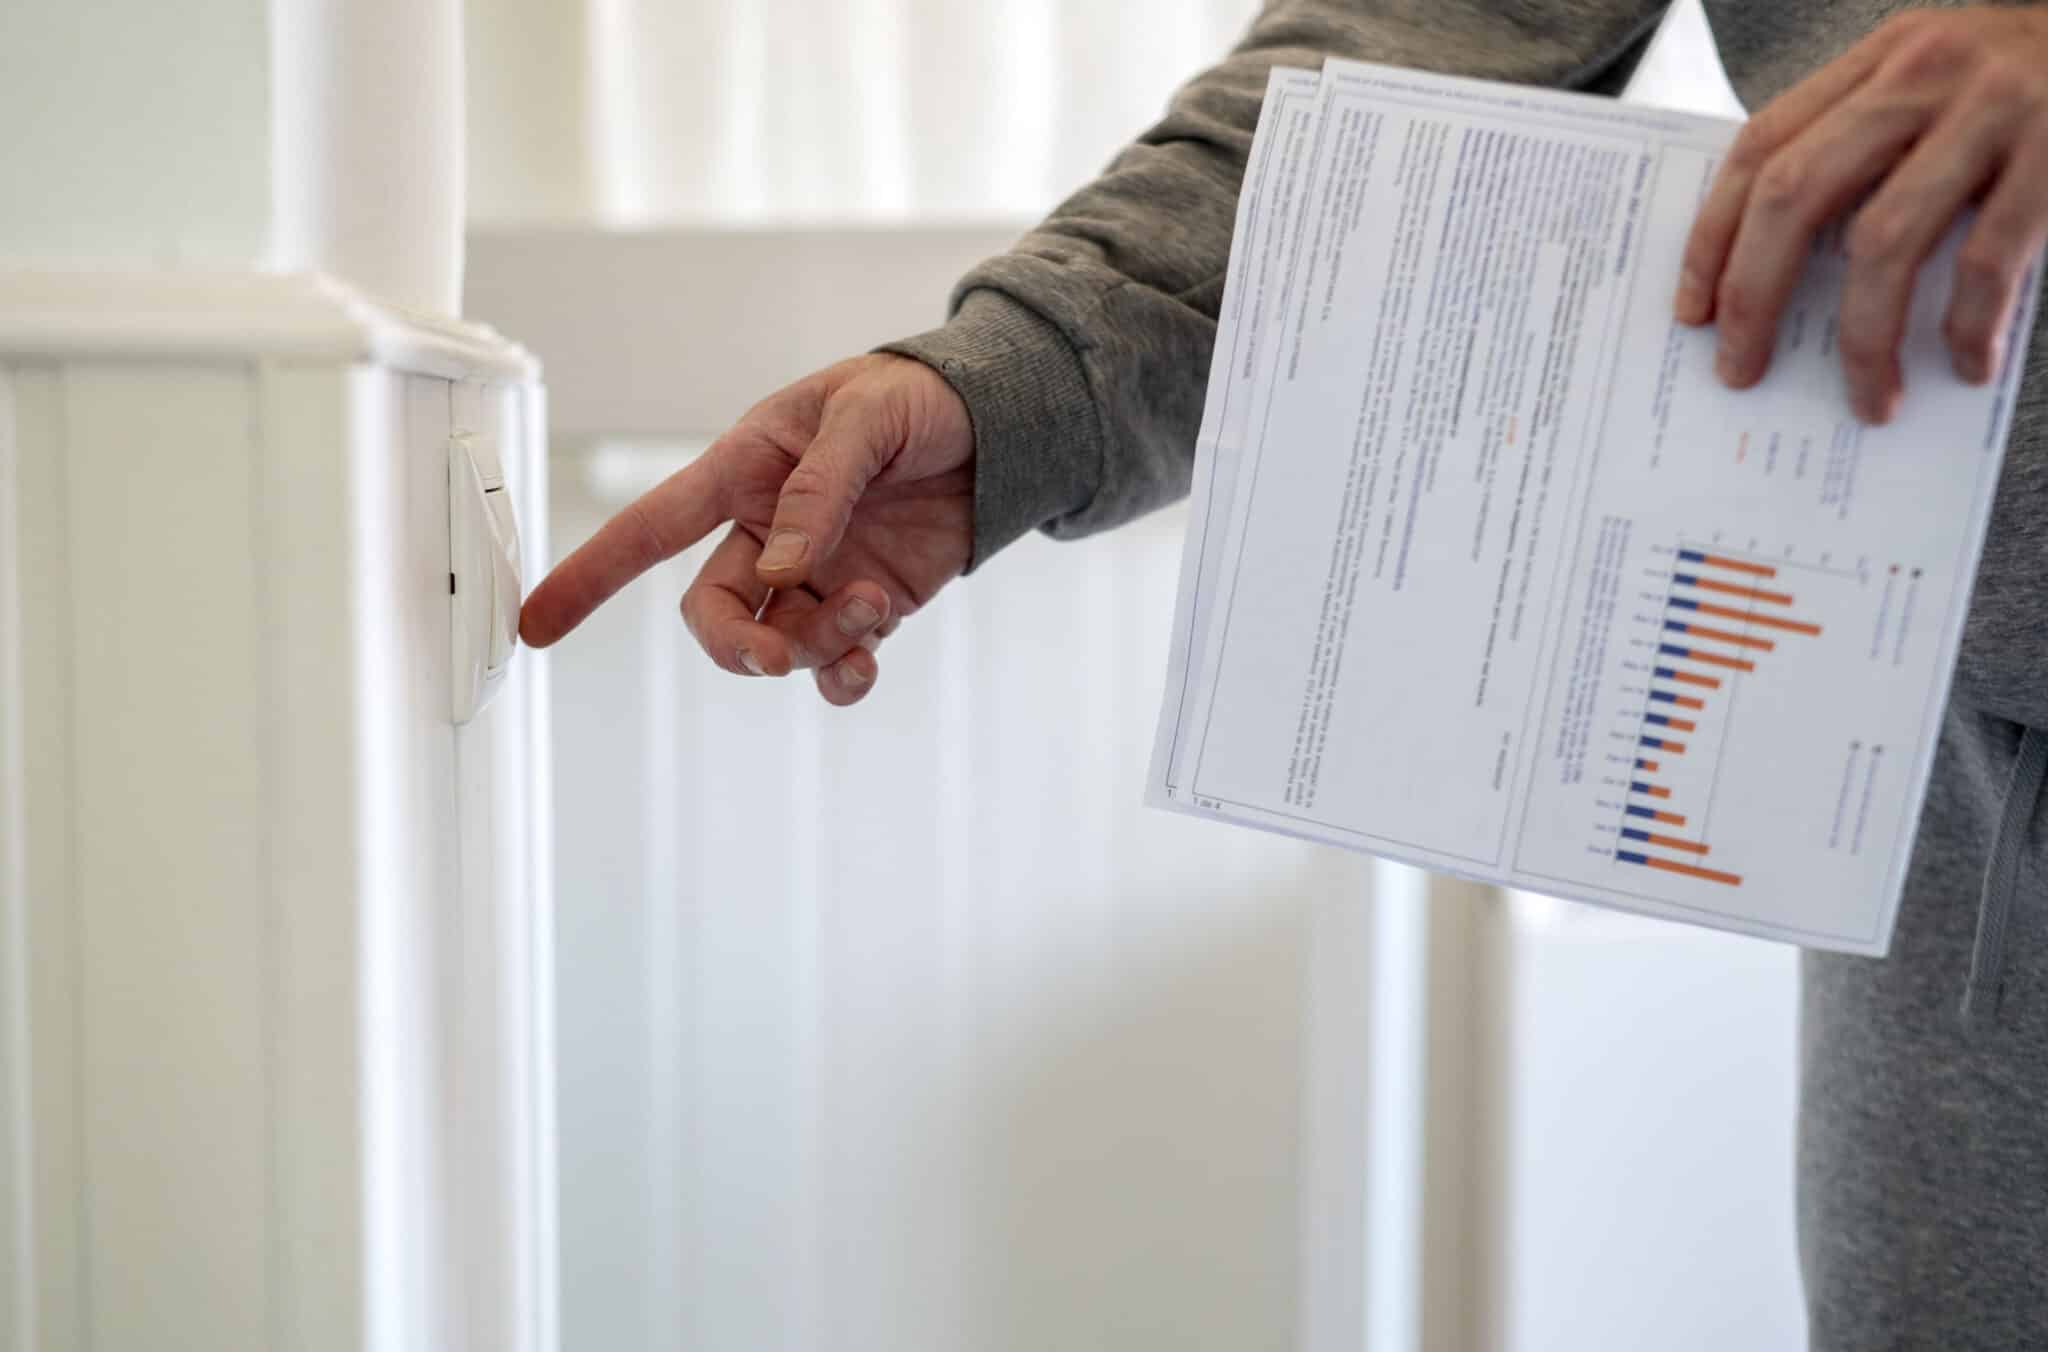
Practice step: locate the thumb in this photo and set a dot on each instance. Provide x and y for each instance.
(855, 440)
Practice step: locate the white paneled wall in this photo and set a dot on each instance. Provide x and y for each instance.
(274, 1043)
(905, 1027)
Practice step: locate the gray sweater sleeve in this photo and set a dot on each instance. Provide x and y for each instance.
(1082, 353)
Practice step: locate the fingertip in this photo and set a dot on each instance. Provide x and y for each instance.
(535, 629)
(767, 655)
(785, 558)
(864, 609)
(1735, 371)
(849, 680)
(1693, 305)
(1973, 365)
(1879, 409)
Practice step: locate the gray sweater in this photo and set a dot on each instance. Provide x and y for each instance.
(1082, 356)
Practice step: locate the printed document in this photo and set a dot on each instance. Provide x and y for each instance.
(1487, 572)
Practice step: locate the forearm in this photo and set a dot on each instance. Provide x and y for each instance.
(1082, 354)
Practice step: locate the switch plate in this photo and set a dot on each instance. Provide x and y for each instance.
(483, 573)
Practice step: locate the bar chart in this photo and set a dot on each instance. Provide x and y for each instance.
(1722, 621)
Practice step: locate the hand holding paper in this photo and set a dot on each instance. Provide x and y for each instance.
(1489, 572)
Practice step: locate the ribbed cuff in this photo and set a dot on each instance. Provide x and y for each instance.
(1037, 438)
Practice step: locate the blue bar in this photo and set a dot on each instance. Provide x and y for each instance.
(1692, 556)
(1664, 695)
(1682, 603)
(1638, 786)
(1634, 811)
(1659, 719)
(1678, 626)
(1631, 833)
(1686, 578)
(1665, 673)
(1631, 857)
(1657, 742)
(1673, 650)
(1642, 764)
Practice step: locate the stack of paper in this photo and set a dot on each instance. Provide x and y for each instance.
(1487, 572)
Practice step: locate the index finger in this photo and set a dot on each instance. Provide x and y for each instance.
(663, 522)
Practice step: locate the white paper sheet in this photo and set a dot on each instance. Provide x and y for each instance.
(1488, 573)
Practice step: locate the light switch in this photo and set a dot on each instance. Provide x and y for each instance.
(483, 572)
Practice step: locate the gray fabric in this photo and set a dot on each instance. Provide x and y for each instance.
(1984, 996)
(1923, 1147)
(1082, 356)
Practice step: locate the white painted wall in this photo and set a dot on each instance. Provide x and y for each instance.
(1649, 1082)
(236, 135)
(909, 1028)
(275, 1071)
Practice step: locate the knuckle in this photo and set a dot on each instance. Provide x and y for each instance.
(647, 532)
(1738, 303)
(1753, 144)
(1983, 267)
(806, 483)
(1877, 235)
(1782, 186)
(2008, 85)
(1905, 23)
(692, 615)
(1932, 50)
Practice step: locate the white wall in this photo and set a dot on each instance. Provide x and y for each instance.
(272, 1051)
(1648, 1081)
(136, 133)
(905, 1027)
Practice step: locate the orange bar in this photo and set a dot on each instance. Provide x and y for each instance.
(1694, 678)
(1715, 659)
(1648, 765)
(1752, 593)
(1682, 724)
(1723, 561)
(1668, 818)
(1693, 871)
(1674, 843)
(1688, 702)
(1654, 790)
(1741, 640)
(1675, 748)
(1751, 617)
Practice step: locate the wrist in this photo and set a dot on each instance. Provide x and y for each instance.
(1037, 440)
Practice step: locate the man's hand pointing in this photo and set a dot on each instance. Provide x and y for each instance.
(851, 498)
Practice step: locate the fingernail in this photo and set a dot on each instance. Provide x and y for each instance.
(857, 617)
(752, 663)
(1726, 367)
(851, 675)
(786, 549)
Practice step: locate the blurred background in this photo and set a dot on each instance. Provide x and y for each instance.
(907, 1027)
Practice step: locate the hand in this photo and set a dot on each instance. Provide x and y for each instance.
(851, 495)
(1932, 112)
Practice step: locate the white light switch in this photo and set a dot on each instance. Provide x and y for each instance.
(483, 572)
